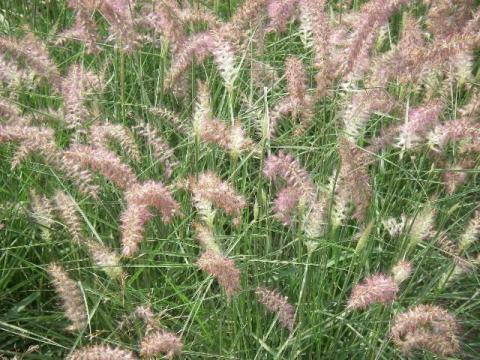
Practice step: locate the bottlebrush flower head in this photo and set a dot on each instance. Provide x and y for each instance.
(278, 304)
(101, 352)
(315, 22)
(75, 87)
(445, 17)
(101, 134)
(314, 221)
(84, 29)
(455, 174)
(247, 13)
(71, 295)
(206, 237)
(198, 47)
(353, 179)
(279, 13)
(360, 106)
(172, 118)
(297, 103)
(426, 327)
(223, 269)
(106, 259)
(35, 54)
(68, 212)
(395, 226)
(354, 59)
(420, 120)
(422, 227)
(103, 161)
(458, 130)
(139, 198)
(11, 112)
(286, 202)
(288, 168)
(401, 271)
(471, 233)
(208, 189)
(42, 213)
(161, 150)
(13, 76)
(161, 342)
(374, 289)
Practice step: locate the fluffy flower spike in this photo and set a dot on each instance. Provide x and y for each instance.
(374, 289)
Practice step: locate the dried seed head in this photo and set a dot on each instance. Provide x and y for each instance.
(101, 352)
(401, 271)
(161, 342)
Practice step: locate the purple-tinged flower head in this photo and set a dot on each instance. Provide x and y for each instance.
(208, 189)
(455, 174)
(76, 86)
(426, 327)
(35, 54)
(296, 79)
(11, 113)
(401, 271)
(103, 161)
(161, 342)
(361, 105)
(374, 289)
(13, 76)
(101, 134)
(108, 260)
(471, 233)
(420, 120)
(353, 183)
(286, 202)
(72, 298)
(159, 147)
(277, 304)
(223, 269)
(154, 194)
(249, 12)
(68, 212)
(101, 352)
(314, 20)
(279, 13)
(394, 226)
(118, 13)
(42, 212)
(84, 29)
(354, 59)
(139, 198)
(288, 168)
(133, 221)
(458, 130)
(445, 17)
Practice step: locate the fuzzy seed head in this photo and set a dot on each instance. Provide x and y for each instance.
(374, 289)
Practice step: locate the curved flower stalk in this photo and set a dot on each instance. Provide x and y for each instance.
(84, 29)
(35, 140)
(101, 352)
(279, 305)
(298, 102)
(374, 289)
(471, 233)
(101, 134)
(354, 59)
(140, 197)
(103, 161)
(353, 183)
(161, 150)
(422, 226)
(75, 87)
(209, 190)
(249, 12)
(71, 296)
(172, 118)
(35, 54)
(426, 327)
(197, 48)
